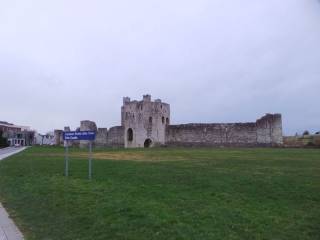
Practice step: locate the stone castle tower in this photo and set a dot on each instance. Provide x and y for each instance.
(144, 122)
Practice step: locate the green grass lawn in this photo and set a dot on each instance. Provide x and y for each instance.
(165, 194)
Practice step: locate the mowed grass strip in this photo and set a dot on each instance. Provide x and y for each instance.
(165, 194)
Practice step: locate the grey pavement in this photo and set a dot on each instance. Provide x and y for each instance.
(7, 152)
(8, 230)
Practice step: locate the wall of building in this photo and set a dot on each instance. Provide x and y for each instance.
(266, 131)
(44, 139)
(14, 134)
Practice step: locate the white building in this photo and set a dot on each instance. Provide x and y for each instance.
(44, 139)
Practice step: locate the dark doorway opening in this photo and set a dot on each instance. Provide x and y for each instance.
(147, 143)
(130, 135)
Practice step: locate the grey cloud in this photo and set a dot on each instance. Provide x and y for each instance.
(213, 61)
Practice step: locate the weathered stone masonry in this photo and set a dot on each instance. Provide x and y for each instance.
(146, 123)
(114, 137)
(266, 131)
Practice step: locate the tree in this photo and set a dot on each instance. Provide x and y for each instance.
(3, 141)
(306, 133)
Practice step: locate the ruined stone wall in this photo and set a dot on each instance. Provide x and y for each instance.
(116, 137)
(87, 126)
(101, 137)
(146, 123)
(58, 137)
(266, 131)
(269, 129)
(70, 143)
(206, 135)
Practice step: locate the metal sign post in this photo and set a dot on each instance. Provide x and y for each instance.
(66, 159)
(90, 160)
(80, 135)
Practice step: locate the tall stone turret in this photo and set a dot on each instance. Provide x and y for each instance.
(269, 130)
(58, 137)
(144, 122)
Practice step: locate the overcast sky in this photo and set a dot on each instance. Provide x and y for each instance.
(212, 60)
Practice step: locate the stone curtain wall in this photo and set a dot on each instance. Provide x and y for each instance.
(112, 138)
(116, 137)
(58, 137)
(266, 131)
(269, 129)
(101, 137)
(87, 126)
(206, 135)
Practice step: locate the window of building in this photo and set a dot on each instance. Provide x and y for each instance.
(150, 119)
(162, 120)
(167, 121)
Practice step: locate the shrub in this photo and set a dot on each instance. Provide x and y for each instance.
(3, 140)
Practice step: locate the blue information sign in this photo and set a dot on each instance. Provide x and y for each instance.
(82, 135)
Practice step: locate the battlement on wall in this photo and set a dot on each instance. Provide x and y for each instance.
(126, 100)
(145, 98)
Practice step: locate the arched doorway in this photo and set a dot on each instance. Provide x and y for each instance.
(130, 135)
(147, 143)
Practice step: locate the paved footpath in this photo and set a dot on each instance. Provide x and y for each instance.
(8, 230)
